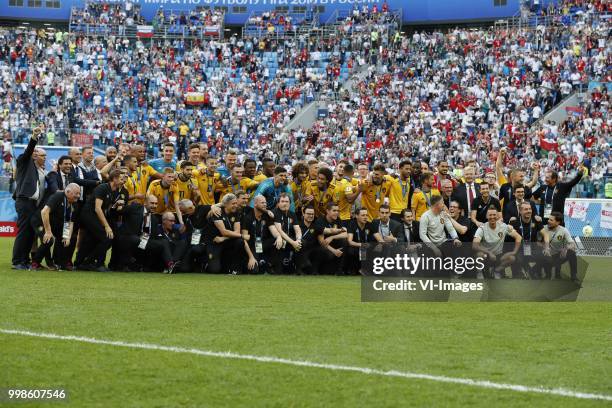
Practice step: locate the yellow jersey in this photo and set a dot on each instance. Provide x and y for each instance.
(344, 187)
(322, 198)
(373, 196)
(138, 181)
(207, 185)
(166, 197)
(420, 202)
(299, 192)
(245, 184)
(399, 194)
(260, 177)
(187, 189)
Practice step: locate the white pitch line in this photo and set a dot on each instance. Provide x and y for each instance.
(302, 363)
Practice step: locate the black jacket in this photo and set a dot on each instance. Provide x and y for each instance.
(395, 228)
(510, 210)
(414, 235)
(133, 219)
(460, 194)
(559, 193)
(26, 175)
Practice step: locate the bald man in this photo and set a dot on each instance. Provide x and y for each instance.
(53, 225)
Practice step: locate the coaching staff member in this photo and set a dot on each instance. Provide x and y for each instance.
(28, 195)
(53, 224)
(95, 217)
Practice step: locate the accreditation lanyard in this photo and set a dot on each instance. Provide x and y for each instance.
(209, 182)
(552, 197)
(305, 233)
(485, 205)
(527, 238)
(67, 210)
(261, 228)
(358, 232)
(134, 184)
(405, 189)
(378, 194)
(233, 186)
(285, 220)
(166, 197)
(427, 198)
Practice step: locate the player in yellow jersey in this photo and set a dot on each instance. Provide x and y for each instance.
(143, 173)
(186, 185)
(136, 190)
(237, 181)
(301, 187)
(209, 181)
(421, 200)
(346, 192)
(374, 191)
(167, 193)
(322, 191)
(250, 171)
(193, 156)
(401, 190)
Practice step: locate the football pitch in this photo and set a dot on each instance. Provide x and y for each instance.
(191, 340)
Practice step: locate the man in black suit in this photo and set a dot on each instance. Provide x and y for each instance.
(385, 229)
(88, 182)
(28, 196)
(512, 207)
(132, 243)
(553, 193)
(465, 193)
(409, 230)
(58, 180)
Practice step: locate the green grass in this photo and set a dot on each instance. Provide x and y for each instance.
(319, 319)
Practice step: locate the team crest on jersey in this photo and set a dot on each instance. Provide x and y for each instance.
(312, 230)
(560, 237)
(232, 219)
(442, 221)
(499, 234)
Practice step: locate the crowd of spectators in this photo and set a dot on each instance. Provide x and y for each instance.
(455, 95)
(108, 14)
(461, 95)
(202, 20)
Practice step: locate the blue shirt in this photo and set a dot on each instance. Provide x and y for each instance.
(272, 193)
(160, 164)
(223, 171)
